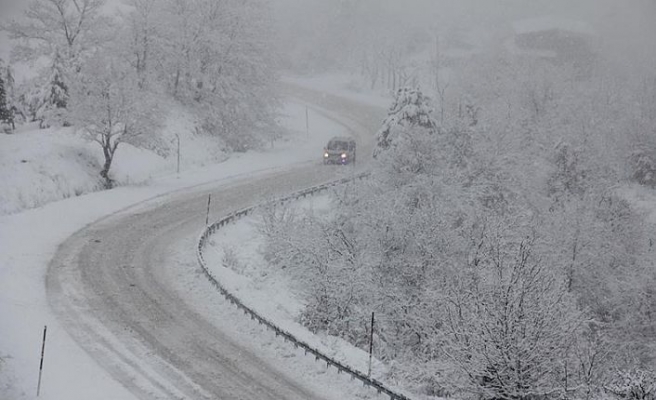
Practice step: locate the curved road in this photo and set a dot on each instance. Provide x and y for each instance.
(118, 286)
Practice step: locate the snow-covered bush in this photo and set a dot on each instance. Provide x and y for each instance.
(643, 167)
(325, 262)
(511, 323)
(494, 248)
(232, 261)
(634, 385)
(275, 225)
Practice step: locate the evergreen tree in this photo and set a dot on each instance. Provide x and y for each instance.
(52, 98)
(410, 109)
(10, 83)
(5, 112)
(10, 91)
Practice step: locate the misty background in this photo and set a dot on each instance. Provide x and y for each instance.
(322, 34)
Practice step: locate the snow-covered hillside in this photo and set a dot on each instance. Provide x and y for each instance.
(39, 166)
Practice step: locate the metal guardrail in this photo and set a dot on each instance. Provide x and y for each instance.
(288, 337)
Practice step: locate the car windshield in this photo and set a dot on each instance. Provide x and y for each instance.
(337, 145)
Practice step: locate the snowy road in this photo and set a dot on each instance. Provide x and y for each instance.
(122, 286)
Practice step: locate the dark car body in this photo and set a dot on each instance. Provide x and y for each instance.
(339, 150)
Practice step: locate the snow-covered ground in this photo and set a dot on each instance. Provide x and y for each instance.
(28, 240)
(39, 166)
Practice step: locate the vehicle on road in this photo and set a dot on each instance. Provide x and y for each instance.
(339, 150)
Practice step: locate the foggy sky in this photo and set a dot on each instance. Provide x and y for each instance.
(627, 28)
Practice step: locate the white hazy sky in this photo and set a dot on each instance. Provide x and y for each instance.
(626, 27)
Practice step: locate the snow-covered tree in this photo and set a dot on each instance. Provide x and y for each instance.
(8, 107)
(49, 26)
(5, 112)
(217, 57)
(108, 108)
(410, 110)
(50, 100)
(10, 83)
(637, 384)
(13, 101)
(6, 94)
(142, 27)
(543, 152)
(325, 263)
(642, 157)
(65, 32)
(510, 324)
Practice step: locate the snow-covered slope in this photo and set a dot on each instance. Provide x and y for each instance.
(39, 166)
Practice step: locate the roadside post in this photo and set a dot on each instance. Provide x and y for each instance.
(307, 121)
(43, 349)
(207, 216)
(177, 169)
(371, 344)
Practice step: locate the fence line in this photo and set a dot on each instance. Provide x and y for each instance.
(288, 337)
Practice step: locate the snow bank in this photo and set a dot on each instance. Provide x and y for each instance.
(39, 166)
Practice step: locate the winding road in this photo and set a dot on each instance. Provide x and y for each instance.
(128, 290)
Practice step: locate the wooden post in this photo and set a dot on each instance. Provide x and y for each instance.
(371, 344)
(43, 350)
(207, 217)
(177, 169)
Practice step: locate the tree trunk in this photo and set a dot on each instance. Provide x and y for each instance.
(108, 152)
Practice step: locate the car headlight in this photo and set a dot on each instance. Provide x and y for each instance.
(325, 155)
(343, 155)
